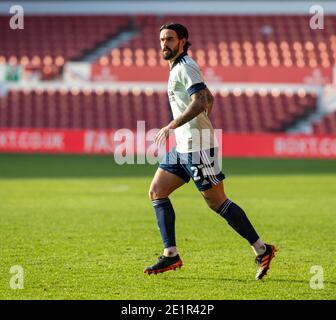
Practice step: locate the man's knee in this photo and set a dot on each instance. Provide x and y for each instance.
(152, 194)
(213, 205)
(214, 202)
(155, 193)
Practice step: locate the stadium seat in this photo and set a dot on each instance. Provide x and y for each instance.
(243, 40)
(98, 109)
(327, 125)
(60, 38)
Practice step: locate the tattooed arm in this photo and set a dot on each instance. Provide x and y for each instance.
(200, 101)
(210, 101)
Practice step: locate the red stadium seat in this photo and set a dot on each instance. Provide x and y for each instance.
(66, 36)
(112, 110)
(208, 32)
(327, 125)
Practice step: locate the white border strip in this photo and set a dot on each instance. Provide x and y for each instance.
(159, 86)
(168, 7)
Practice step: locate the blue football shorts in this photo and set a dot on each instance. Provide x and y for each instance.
(201, 166)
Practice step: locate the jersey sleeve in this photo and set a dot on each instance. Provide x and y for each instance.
(192, 79)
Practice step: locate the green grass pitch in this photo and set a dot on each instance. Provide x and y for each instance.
(82, 227)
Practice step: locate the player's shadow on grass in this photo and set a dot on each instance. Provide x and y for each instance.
(214, 279)
(252, 280)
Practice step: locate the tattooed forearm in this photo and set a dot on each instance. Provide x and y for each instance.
(199, 103)
(210, 100)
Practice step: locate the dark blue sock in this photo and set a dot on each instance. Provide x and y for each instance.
(165, 216)
(237, 219)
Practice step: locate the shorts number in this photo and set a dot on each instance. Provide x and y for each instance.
(196, 177)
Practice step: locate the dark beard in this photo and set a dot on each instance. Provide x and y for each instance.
(170, 54)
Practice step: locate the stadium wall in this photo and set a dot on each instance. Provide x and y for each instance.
(137, 143)
(252, 74)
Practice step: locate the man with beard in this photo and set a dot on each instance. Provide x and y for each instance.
(195, 155)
